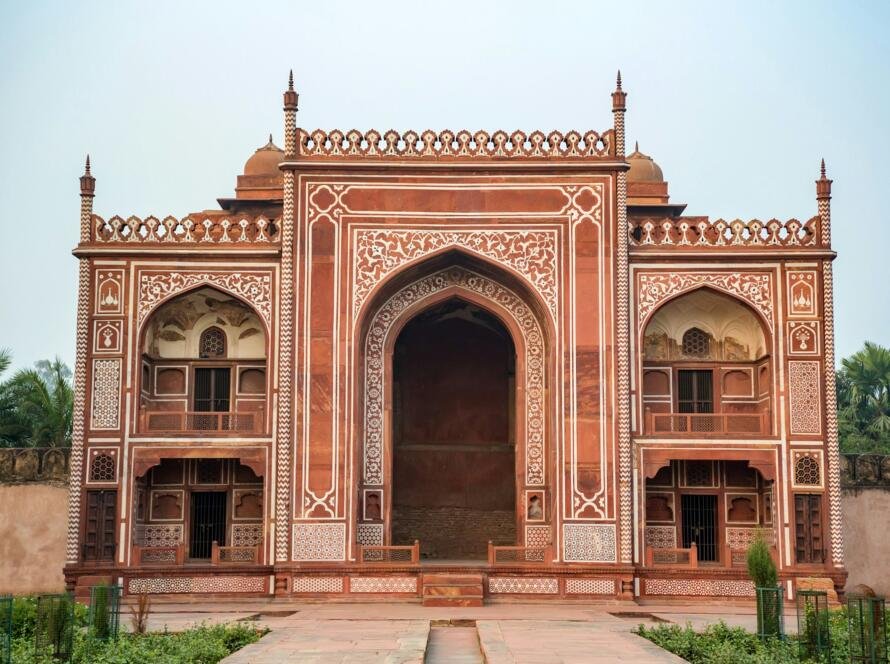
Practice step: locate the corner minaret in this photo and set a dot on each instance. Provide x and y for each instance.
(282, 524)
(78, 422)
(622, 339)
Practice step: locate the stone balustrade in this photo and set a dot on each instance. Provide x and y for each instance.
(702, 233)
(447, 144)
(171, 230)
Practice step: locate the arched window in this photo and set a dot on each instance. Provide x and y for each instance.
(212, 343)
(696, 343)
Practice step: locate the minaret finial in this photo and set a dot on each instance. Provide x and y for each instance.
(87, 181)
(822, 169)
(88, 165)
(270, 139)
(618, 80)
(636, 146)
(290, 80)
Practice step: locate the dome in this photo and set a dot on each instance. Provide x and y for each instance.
(265, 160)
(642, 167)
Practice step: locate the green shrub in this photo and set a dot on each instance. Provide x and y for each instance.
(761, 567)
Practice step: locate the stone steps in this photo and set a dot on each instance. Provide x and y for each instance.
(452, 589)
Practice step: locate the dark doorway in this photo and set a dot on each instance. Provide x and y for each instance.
(212, 388)
(99, 542)
(808, 545)
(208, 522)
(696, 393)
(454, 463)
(699, 515)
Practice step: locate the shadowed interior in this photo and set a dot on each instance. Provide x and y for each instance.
(453, 432)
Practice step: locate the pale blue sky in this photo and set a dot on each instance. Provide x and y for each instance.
(736, 101)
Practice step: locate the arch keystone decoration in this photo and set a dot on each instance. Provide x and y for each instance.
(158, 287)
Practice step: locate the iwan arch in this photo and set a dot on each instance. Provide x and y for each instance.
(452, 366)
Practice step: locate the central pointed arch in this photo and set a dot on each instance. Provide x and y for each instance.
(499, 296)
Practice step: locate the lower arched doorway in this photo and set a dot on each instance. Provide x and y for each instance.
(454, 452)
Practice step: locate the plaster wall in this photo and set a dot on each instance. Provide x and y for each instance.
(867, 538)
(33, 521)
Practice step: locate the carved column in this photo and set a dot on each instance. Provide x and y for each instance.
(87, 192)
(286, 336)
(836, 526)
(622, 340)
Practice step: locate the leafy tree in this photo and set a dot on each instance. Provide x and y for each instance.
(863, 398)
(14, 428)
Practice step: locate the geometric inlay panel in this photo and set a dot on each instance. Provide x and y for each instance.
(106, 394)
(197, 584)
(247, 534)
(383, 584)
(590, 587)
(521, 585)
(803, 400)
(153, 535)
(369, 534)
(661, 537)
(537, 535)
(317, 584)
(319, 541)
(699, 587)
(589, 543)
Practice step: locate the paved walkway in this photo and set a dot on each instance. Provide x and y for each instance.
(402, 633)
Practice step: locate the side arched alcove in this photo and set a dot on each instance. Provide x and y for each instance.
(484, 419)
(707, 368)
(203, 366)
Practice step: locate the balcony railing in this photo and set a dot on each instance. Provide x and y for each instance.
(233, 555)
(390, 555)
(673, 557)
(209, 422)
(710, 424)
(159, 555)
(519, 555)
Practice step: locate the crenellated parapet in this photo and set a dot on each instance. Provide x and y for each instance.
(702, 233)
(447, 144)
(241, 230)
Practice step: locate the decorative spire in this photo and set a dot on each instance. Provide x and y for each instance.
(290, 96)
(619, 97)
(87, 181)
(88, 165)
(822, 168)
(270, 139)
(636, 146)
(823, 184)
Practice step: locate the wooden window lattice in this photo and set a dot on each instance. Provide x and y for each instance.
(806, 472)
(696, 343)
(102, 468)
(212, 343)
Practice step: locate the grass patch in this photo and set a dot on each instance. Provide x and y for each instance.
(201, 645)
(722, 644)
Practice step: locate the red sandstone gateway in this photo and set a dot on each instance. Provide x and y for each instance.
(452, 366)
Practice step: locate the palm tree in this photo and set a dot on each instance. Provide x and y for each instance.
(44, 398)
(864, 395)
(13, 428)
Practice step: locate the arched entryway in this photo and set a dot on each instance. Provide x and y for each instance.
(474, 301)
(454, 460)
